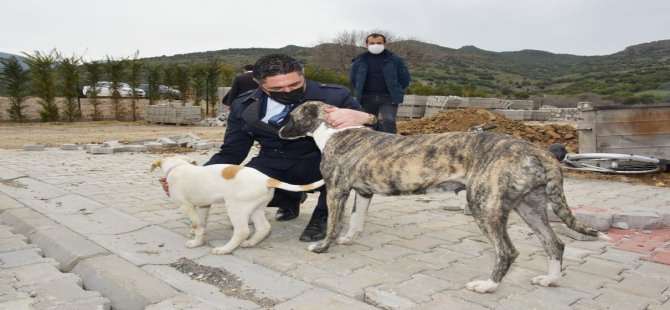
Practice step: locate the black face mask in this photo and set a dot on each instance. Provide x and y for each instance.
(288, 97)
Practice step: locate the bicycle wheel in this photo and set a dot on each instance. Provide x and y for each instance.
(612, 163)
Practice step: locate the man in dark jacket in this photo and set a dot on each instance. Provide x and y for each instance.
(379, 78)
(241, 84)
(258, 115)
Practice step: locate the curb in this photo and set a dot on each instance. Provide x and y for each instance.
(127, 286)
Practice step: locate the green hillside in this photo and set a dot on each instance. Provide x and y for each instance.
(642, 69)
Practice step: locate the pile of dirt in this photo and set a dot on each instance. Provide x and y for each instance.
(464, 119)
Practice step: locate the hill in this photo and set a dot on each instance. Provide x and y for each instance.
(638, 72)
(637, 69)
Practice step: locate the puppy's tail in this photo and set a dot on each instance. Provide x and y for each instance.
(294, 188)
(556, 199)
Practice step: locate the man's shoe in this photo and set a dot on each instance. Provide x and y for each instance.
(315, 230)
(285, 214)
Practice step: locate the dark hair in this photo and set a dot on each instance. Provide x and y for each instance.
(275, 64)
(248, 67)
(375, 35)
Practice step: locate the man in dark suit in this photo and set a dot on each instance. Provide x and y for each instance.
(257, 115)
(241, 84)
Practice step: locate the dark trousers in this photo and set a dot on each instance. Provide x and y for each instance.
(295, 171)
(384, 109)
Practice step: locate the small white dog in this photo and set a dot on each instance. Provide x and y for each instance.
(243, 190)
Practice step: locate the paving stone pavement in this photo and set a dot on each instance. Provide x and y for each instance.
(97, 232)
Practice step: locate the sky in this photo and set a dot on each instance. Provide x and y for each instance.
(94, 29)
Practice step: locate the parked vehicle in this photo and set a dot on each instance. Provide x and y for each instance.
(163, 91)
(104, 89)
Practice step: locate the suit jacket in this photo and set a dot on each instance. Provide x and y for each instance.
(241, 84)
(244, 126)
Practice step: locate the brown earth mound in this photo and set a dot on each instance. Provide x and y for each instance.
(464, 119)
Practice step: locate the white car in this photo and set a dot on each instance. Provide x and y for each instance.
(104, 89)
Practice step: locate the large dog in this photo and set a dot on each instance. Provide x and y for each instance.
(499, 172)
(244, 191)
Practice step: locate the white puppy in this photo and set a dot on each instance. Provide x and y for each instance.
(243, 190)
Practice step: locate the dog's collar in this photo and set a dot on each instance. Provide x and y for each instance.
(175, 166)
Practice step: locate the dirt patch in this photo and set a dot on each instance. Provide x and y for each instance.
(540, 134)
(227, 282)
(15, 136)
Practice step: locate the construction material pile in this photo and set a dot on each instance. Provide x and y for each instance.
(464, 119)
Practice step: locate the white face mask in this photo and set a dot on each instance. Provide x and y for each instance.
(376, 48)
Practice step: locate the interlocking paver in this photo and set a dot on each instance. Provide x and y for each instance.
(416, 251)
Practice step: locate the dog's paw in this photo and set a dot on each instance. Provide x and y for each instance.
(545, 280)
(222, 250)
(487, 286)
(247, 244)
(345, 241)
(318, 247)
(193, 243)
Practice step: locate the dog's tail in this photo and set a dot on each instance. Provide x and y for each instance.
(294, 188)
(556, 199)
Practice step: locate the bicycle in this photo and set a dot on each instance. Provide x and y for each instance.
(608, 162)
(614, 163)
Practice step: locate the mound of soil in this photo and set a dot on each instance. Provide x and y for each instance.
(464, 119)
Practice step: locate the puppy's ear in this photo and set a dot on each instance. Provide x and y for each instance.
(156, 164)
(189, 160)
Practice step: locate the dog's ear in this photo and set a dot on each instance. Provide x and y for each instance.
(188, 160)
(156, 164)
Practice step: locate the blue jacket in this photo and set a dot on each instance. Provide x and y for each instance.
(244, 126)
(396, 75)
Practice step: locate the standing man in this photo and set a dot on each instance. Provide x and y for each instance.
(241, 84)
(379, 78)
(256, 116)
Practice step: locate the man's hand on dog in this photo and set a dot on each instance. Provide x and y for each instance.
(342, 118)
(164, 184)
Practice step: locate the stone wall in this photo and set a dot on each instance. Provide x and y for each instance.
(563, 114)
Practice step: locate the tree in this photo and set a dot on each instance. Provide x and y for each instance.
(199, 75)
(211, 83)
(154, 75)
(323, 75)
(182, 76)
(114, 69)
(169, 78)
(42, 73)
(227, 75)
(336, 54)
(94, 72)
(69, 70)
(135, 68)
(15, 79)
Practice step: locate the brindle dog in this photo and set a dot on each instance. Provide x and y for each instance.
(499, 172)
